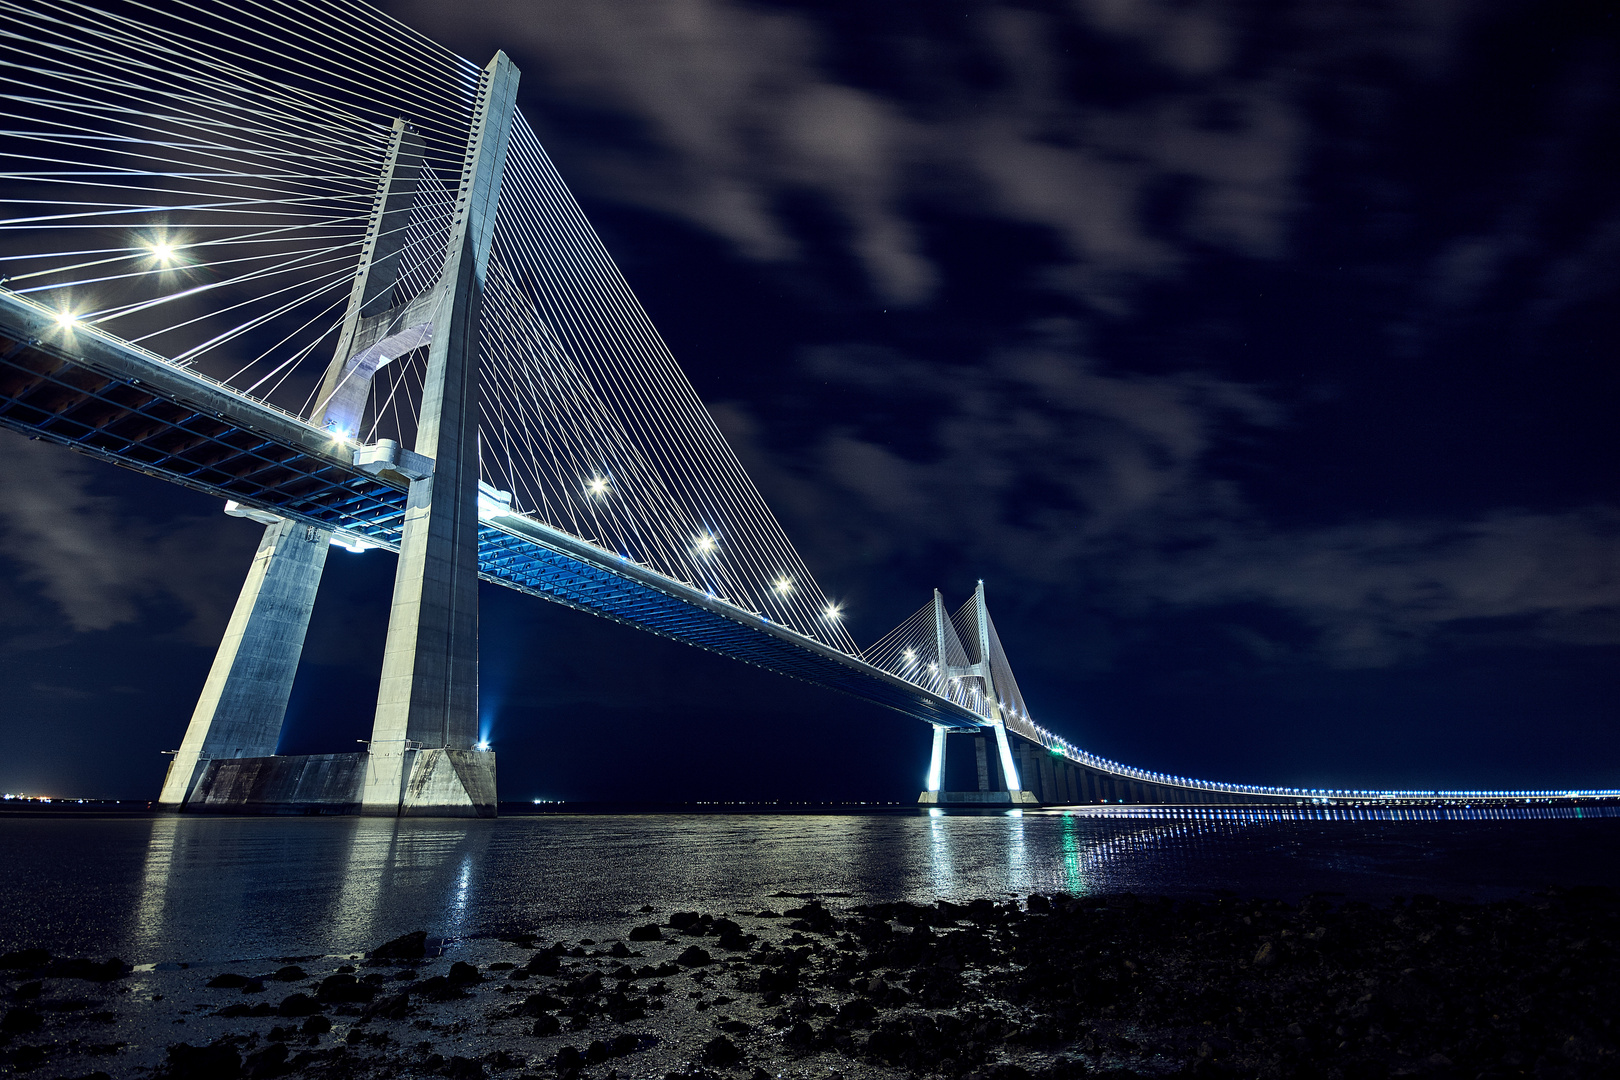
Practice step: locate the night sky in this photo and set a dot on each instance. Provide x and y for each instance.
(1260, 357)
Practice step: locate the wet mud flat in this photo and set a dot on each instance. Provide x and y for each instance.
(1042, 987)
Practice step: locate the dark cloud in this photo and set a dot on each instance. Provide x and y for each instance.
(1044, 469)
(738, 105)
(96, 562)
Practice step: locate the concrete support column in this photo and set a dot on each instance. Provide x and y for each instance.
(1028, 771)
(1004, 757)
(244, 699)
(936, 761)
(1049, 791)
(428, 697)
(982, 757)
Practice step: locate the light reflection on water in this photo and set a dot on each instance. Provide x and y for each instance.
(195, 888)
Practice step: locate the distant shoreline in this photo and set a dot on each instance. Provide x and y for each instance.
(1479, 809)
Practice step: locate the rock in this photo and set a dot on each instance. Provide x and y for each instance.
(316, 1025)
(344, 988)
(545, 1025)
(463, 974)
(229, 981)
(1265, 957)
(271, 1061)
(290, 973)
(21, 1021)
(412, 946)
(650, 932)
(680, 920)
(390, 1007)
(800, 1037)
(536, 1004)
(584, 986)
(720, 1050)
(694, 956)
(79, 968)
(856, 1014)
(24, 959)
(298, 1005)
(461, 1068)
(437, 988)
(543, 963)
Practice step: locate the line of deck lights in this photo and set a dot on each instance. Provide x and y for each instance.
(707, 545)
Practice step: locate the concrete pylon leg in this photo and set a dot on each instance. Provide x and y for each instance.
(422, 758)
(1009, 771)
(244, 700)
(936, 762)
(427, 701)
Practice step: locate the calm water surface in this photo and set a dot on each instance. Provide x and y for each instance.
(197, 889)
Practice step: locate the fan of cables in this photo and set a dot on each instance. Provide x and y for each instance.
(930, 642)
(594, 428)
(197, 178)
(200, 179)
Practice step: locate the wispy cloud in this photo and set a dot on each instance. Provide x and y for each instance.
(1098, 487)
(740, 106)
(96, 561)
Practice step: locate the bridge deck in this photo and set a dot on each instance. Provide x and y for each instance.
(115, 401)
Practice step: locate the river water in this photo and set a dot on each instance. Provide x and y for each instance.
(167, 889)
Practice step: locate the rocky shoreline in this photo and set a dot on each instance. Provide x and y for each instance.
(1043, 987)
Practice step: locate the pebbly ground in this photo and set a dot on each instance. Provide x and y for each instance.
(1048, 988)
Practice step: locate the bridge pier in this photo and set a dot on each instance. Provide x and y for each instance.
(244, 700)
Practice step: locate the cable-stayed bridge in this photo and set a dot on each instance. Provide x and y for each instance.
(306, 260)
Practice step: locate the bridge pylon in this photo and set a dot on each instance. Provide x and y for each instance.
(998, 780)
(423, 757)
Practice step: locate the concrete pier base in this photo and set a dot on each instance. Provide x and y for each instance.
(450, 783)
(442, 783)
(291, 784)
(978, 798)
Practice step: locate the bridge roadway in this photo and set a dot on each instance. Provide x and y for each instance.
(116, 401)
